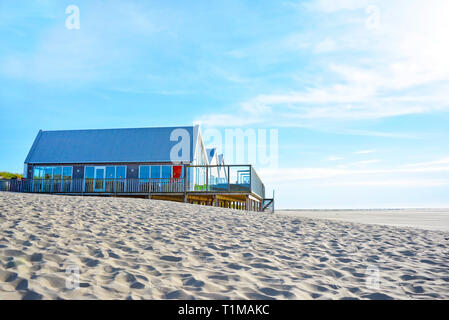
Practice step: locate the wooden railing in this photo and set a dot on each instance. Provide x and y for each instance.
(109, 186)
(205, 178)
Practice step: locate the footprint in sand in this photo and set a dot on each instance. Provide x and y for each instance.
(274, 293)
(377, 296)
(192, 282)
(171, 258)
(258, 296)
(32, 295)
(264, 266)
(91, 262)
(22, 285)
(235, 266)
(137, 285)
(36, 257)
(7, 276)
(178, 294)
(219, 277)
(111, 254)
(407, 253)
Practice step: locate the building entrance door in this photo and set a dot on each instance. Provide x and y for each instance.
(99, 179)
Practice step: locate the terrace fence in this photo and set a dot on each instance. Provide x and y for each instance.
(198, 179)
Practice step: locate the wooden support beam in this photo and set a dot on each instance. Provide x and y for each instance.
(199, 198)
(229, 198)
(169, 198)
(216, 204)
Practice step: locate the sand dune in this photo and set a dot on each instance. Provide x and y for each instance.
(141, 249)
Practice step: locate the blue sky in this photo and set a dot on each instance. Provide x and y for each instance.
(358, 90)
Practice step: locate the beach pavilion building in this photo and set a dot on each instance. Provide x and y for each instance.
(165, 163)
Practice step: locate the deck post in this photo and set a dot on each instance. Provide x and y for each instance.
(229, 180)
(207, 178)
(185, 183)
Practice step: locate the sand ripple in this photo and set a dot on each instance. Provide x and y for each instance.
(141, 249)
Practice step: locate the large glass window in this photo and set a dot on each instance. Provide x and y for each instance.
(90, 173)
(120, 172)
(48, 172)
(57, 173)
(66, 177)
(52, 179)
(155, 172)
(166, 172)
(110, 172)
(38, 173)
(144, 172)
(67, 173)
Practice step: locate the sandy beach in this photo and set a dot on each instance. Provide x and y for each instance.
(141, 249)
(428, 219)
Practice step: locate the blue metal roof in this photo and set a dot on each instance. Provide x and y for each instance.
(107, 145)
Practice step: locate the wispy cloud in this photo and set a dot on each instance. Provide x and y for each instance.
(429, 163)
(396, 176)
(363, 162)
(401, 69)
(364, 151)
(334, 158)
(391, 183)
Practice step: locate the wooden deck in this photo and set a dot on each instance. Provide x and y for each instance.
(237, 196)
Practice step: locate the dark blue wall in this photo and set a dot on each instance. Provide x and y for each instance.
(78, 172)
(30, 171)
(132, 171)
(78, 175)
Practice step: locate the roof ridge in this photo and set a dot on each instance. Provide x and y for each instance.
(62, 130)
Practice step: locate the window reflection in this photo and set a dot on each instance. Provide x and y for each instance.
(166, 172)
(110, 172)
(121, 172)
(144, 172)
(155, 172)
(52, 179)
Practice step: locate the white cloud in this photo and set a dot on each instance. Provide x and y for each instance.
(219, 120)
(334, 158)
(400, 176)
(394, 135)
(364, 151)
(327, 45)
(429, 163)
(400, 69)
(364, 162)
(404, 183)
